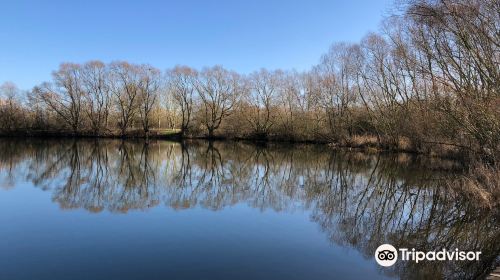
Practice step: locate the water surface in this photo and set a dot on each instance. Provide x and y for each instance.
(112, 209)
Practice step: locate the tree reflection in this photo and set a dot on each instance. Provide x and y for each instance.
(359, 200)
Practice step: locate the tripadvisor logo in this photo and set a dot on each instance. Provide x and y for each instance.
(387, 255)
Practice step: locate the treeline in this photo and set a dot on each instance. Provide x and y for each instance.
(429, 79)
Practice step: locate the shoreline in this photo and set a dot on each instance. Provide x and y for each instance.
(480, 179)
(368, 146)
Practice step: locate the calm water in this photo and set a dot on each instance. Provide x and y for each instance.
(109, 209)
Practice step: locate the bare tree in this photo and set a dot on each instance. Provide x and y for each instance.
(336, 81)
(382, 89)
(219, 90)
(264, 86)
(149, 87)
(95, 82)
(460, 40)
(10, 107)
(65, 95)
(126, 88)
(291, 103)
(181, 84)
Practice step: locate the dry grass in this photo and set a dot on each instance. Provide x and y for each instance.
(363, 141)
(483, 183)
(404, 144)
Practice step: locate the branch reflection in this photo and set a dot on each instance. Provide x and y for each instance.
(359, 200)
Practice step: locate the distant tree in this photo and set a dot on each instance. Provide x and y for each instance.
(126, 88)
(262, 98)
(336, 81)
(219, 90)
(149, 87)
(181, 85)
(10, 107)
(95, 82)
(65, 95)
(291, 103)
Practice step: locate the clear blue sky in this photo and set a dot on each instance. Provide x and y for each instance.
(36, 36)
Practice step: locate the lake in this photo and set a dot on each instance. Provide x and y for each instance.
(112, 209)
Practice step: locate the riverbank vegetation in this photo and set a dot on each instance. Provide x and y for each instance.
(428, 82)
